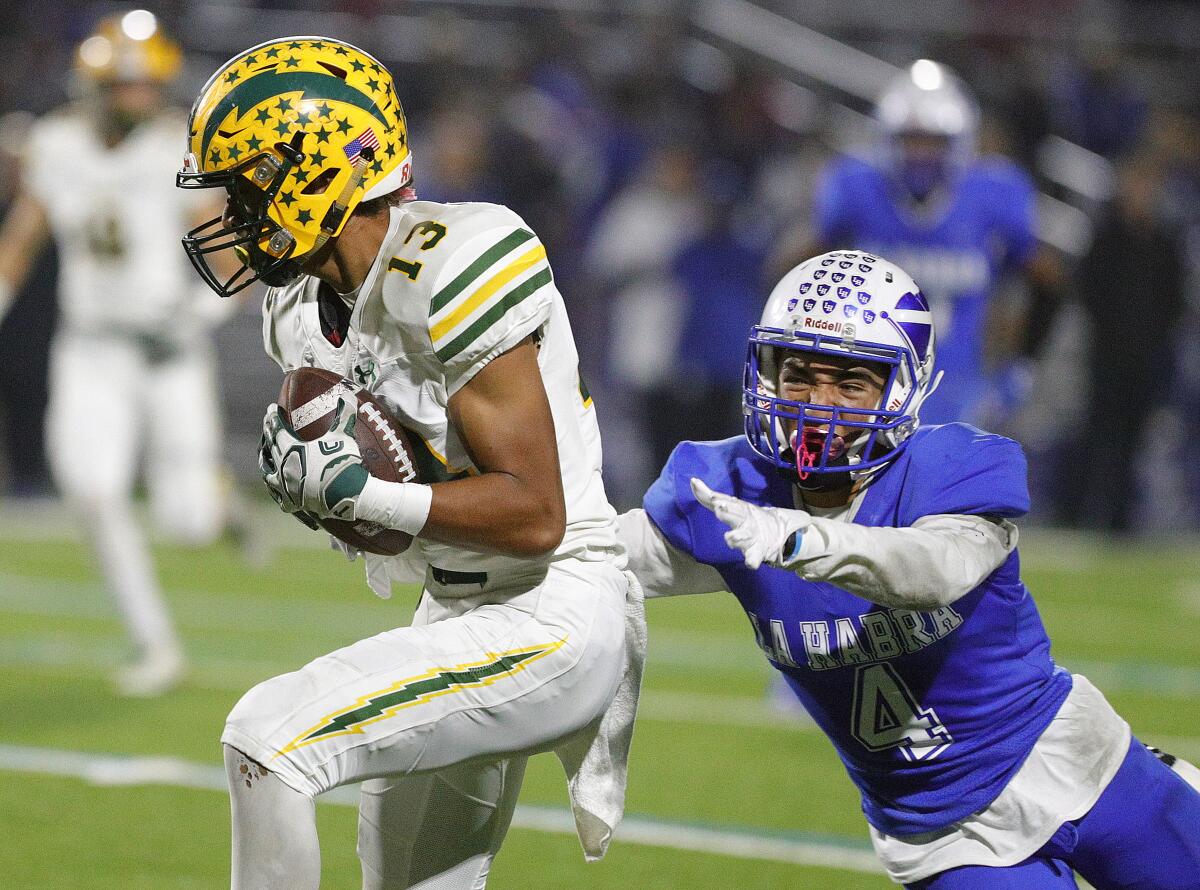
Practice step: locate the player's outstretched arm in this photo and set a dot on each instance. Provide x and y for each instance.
(24, 231)
(935, 562)
(661, 569)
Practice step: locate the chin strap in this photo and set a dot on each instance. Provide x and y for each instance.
(332, 220)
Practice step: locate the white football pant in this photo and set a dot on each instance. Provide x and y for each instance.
(108, 406)
(438, 718)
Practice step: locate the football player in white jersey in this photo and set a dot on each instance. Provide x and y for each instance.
(449, 314)
(131, 368)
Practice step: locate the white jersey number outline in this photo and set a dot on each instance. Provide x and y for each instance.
(887, 715)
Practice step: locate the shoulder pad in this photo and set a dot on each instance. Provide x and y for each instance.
(956, 468)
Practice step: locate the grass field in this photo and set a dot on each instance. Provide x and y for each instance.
(102, 792)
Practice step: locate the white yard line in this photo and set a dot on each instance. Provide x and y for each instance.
(794, 848)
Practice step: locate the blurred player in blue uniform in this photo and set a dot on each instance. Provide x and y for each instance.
(876, 560)
(956, 221)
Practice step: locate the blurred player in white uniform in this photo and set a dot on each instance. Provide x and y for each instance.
(131, 368)
(528, 630)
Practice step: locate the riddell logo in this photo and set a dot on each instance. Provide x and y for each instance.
(822, 324)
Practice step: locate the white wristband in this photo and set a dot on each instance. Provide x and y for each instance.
(403, 506)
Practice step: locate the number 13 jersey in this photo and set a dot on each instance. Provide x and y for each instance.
(453, 287)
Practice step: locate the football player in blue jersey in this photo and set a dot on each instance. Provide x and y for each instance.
(957, 221)
(876, 561)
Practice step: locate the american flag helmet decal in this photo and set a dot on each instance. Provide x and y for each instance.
(365, 139)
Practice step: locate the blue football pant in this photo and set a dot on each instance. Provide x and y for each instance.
(1142, 834)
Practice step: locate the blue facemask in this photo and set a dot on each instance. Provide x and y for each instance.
(921, 176)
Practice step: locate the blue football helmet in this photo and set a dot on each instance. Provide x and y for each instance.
(843, 303)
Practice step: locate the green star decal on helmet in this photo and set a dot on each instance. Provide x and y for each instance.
(297, 94)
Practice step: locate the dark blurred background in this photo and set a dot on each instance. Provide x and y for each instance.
(667, 154)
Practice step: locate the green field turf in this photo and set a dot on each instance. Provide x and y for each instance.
(709, 754)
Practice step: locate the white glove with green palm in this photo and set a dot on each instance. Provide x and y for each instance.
(323, 477)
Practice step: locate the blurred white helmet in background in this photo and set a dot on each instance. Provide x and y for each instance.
(929, 124)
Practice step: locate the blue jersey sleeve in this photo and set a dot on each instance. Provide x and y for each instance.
(832, 205)
(683, 520)
(1014, 201)
(957, 468)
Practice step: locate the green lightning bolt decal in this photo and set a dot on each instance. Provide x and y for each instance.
(263, 86)
(421, 688)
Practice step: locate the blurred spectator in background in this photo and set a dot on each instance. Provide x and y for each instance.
(25, 332)
(1131, 285)
(718, 273)
(458, 149)
(1176, 138)
(1097, 104)
(957, 222)
(628, 262)
(131, 366)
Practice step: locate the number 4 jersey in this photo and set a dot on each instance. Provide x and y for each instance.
(931, 712)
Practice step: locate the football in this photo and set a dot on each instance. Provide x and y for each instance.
(308, 397)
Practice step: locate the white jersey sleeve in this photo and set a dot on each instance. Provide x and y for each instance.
(284, 337)
(491, 293)
(37, 176)
(662, 570)
(935, 562)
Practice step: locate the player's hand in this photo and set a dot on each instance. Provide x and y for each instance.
(347, 550)
(268, 469)
(323, 477)
(763, 534)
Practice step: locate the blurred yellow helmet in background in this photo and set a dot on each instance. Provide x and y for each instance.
(128, 47)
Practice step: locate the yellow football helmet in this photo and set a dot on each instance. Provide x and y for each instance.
(128, 47)
(299, 131)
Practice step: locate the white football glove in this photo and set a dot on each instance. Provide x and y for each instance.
(274, 487)
(763, 534)
(347, 550)
(323, 477)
